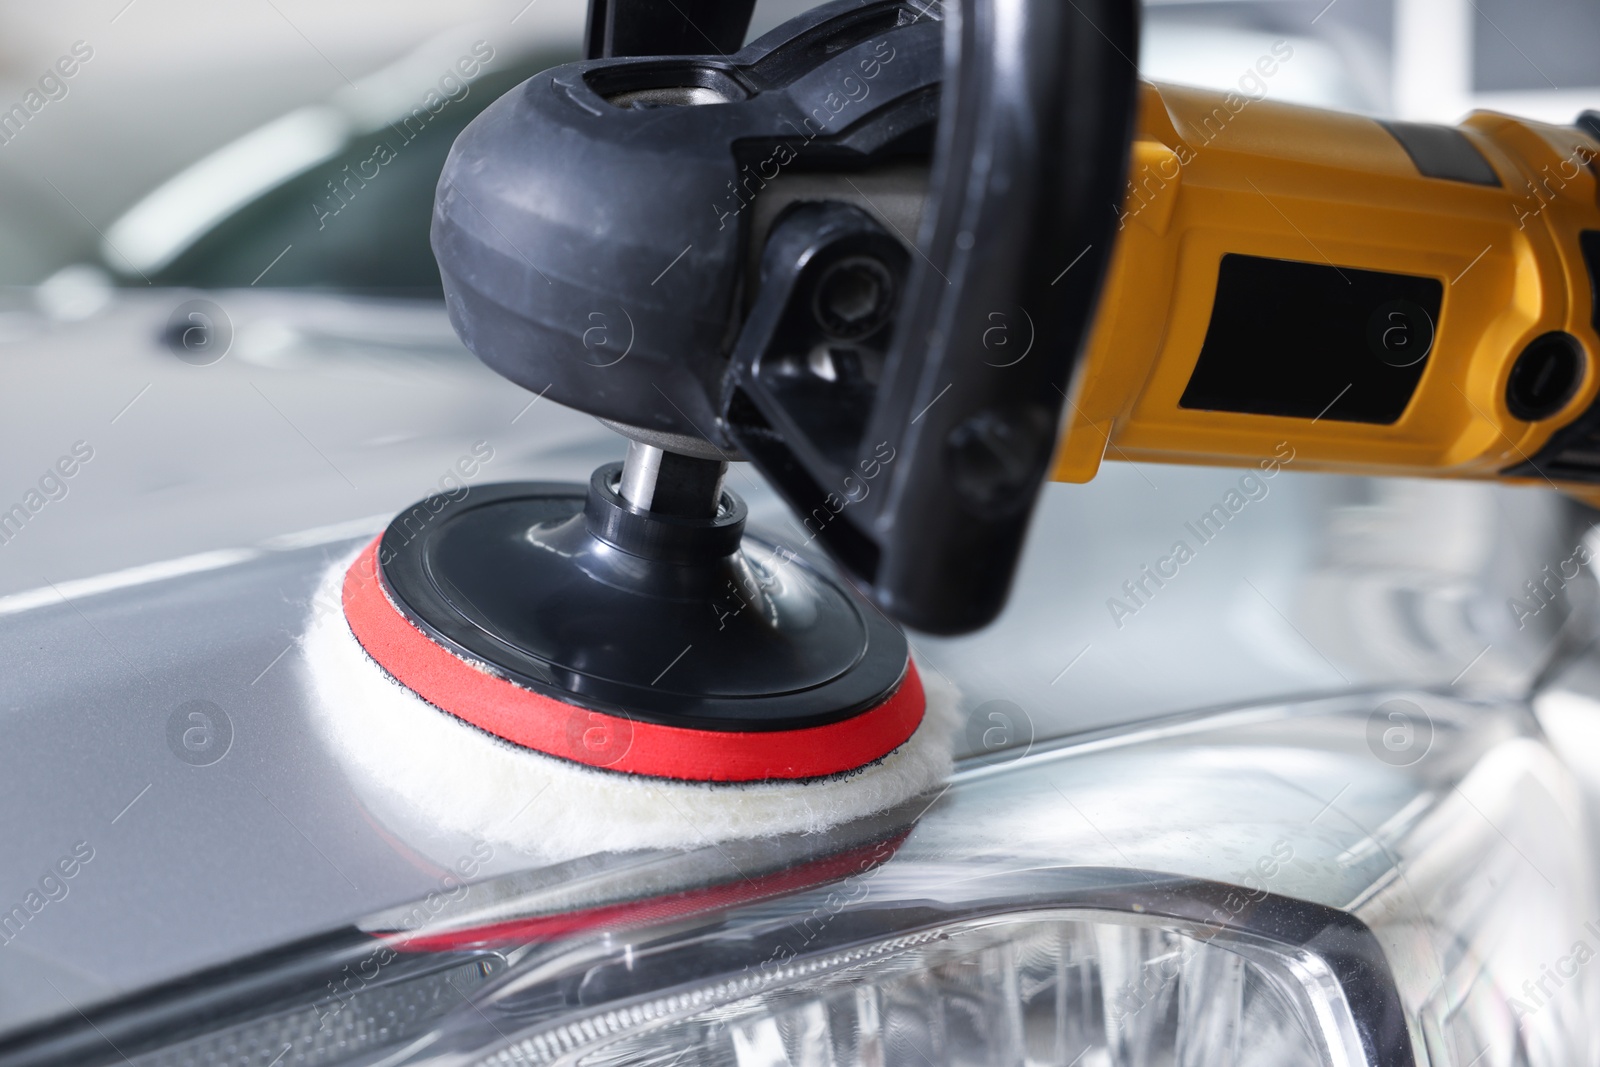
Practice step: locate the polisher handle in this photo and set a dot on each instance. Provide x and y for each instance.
(665, 27)
(1040, 99)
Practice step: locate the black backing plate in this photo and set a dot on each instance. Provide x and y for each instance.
(509, 575)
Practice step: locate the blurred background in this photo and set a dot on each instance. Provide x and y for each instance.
(172, 81)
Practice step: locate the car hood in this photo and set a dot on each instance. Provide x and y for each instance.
(179, 565)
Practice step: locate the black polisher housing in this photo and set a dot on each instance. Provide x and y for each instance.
(603, 207)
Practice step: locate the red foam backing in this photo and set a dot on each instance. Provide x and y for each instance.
(614, 742)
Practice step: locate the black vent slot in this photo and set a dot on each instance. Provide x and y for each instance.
(1314, 341)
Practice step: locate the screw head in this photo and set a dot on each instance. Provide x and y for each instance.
(996, 457)
(853, 298)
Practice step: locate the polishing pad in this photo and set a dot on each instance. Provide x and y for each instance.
(446, 776)
(665, 677)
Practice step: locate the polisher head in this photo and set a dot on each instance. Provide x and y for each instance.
(569, 622)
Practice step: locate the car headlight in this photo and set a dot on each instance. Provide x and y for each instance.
(1387, 879)
(1047, 987)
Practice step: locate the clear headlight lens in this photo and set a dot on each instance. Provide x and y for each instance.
(1026, 990)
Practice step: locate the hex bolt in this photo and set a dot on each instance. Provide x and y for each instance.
(853, 298)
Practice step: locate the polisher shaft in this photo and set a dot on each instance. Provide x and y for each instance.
(670, 483)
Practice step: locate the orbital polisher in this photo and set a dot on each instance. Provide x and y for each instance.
(911, 259)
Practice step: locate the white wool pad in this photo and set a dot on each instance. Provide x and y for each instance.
(454, 779)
